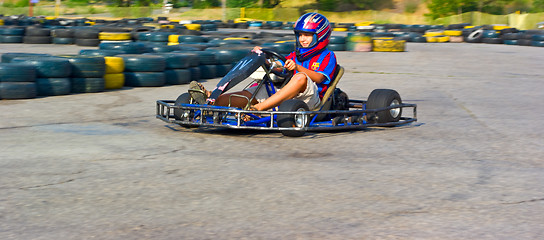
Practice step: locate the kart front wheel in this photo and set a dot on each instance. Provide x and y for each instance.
(180, 114)
(382, 98)
(293, 120)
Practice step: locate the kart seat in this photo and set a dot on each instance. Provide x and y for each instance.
(326, 101)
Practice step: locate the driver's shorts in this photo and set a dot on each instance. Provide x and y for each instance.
(310, 95)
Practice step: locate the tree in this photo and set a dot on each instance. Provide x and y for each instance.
(442, 8)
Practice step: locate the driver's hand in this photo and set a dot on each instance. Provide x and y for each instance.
(256, 49)
(290, 65)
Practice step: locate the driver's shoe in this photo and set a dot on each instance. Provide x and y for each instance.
(198, 92)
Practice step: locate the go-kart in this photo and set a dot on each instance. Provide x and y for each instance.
(383, 108)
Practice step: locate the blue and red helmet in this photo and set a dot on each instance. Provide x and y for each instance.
(319, 26)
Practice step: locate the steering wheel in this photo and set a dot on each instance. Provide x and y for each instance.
(280, 71)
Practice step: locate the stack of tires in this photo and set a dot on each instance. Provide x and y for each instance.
(144, 70)
(491, 36)
(126, 47)
(87, 37)
(194, 63)
(176, 69)
(226, 58)
(114, 78)
(337, 43)
(63, 36)
(208, 61)
(359, 42)
(17, 81)
(538, 39)
(114, 37)
(510, 36)
(12, 34)
(87, 75)
(37, 35)
(52, 74)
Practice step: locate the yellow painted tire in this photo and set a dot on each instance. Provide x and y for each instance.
(236, 38)
(433, 33)
(192, 26)
(114, 80)
(366, 23)
(339, 29)
(167, 26)
(431, 39)
(453, 33)
(442, 39)
(172, 43)
(114, 36)
(499, 28)
(173, 38)
(388, 45)
(1, 21)
(114, 65)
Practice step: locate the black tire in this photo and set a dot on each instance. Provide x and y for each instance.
(63, 33)
(37, 39)
(492, 40)
(86, 33)
(8, 57)
(475, 37)
(337, 40)
(191, 39)
(127, 47)
(337, 47)
(177, 76)
(36, 31)
(206, 57)
(17, 90)
(17, 72)
(193, 58)
(11, 39)
(184, 98)
(195, 73)
(223, 69)
(53, 86)
(13, 31)
(100, 52)
(86, 42)
(143, 63)
(174, 60)
(87, 66)
(87, 85)
(48, 67)
(208, 71)
(223, 56)
(292, 120)
(59, 40)
(144, 79)
(381, 98)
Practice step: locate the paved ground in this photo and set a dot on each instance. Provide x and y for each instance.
(100, 166)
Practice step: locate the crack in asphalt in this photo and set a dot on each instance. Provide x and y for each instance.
(525, 201)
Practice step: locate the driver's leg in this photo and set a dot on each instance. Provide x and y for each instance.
(230, 99)
(296, 85)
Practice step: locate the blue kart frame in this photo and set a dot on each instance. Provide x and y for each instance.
(292, 118)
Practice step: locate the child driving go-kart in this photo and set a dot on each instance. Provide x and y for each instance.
(312, 63)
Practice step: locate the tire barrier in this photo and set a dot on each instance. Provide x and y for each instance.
(100, 52)
(47, 67)
(177, 76)
(359, 42)
(144, 79)
(17, 72)
(87, 85)
(53, 86)
(86, 66)
(143, 63)
(17, 90)
(114, 64)
(114, 80)
(388, 45)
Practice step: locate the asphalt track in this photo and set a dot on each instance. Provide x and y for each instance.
(100, 166)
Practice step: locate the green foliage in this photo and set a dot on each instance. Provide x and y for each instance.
(206, 3)
(21, 3)
(538, 6)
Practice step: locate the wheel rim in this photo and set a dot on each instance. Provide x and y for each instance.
(300, 119)
(395, 112)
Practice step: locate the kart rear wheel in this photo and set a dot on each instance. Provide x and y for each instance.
(381, 98)
(181, 114)
(293, 120)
